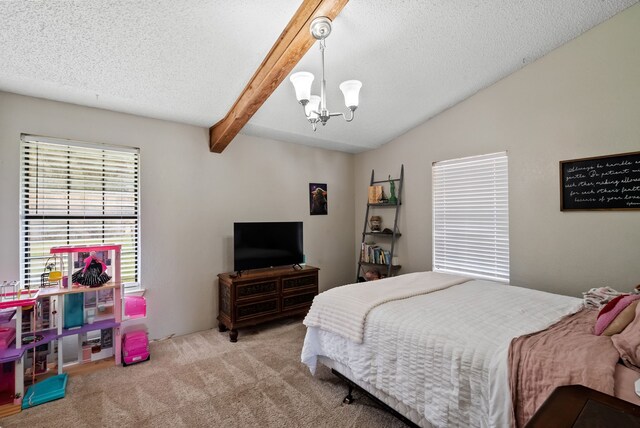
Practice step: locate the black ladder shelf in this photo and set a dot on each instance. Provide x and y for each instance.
(391, 236)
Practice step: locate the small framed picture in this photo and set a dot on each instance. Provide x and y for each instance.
(90, 298)
(318, 198)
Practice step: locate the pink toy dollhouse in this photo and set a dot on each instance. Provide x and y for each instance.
(25, 337)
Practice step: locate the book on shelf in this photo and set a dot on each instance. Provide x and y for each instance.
(371, 253)
(375, 194)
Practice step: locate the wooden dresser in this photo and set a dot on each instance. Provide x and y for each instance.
(576, 406)
(263, 295)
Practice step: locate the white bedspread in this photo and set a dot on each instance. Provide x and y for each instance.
(343, 310)
(445, 354)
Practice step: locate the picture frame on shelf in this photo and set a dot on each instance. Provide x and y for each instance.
(90, 299)
(105, 297)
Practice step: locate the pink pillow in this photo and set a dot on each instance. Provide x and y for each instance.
(628, 343)
(611, 310)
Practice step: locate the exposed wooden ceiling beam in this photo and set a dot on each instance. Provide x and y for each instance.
(290, 47)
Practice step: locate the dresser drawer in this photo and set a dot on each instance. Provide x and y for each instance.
(296, 282)
(256, 289)
(262, 295)
(298, 300)
(256, 309)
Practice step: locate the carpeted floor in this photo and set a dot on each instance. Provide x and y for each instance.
(203, 380)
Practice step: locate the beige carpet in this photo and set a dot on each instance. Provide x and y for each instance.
(203, 380)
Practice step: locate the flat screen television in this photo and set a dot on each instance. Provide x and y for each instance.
(266, 244)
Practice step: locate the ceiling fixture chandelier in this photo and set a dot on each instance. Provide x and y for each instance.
(315, 107)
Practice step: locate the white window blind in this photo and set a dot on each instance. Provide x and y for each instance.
(471, 216)
(77, 194)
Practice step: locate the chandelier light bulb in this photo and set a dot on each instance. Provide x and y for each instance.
(315, 107)
(351, 91)
(302, 84)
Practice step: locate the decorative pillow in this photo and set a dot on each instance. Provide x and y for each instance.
(628, 343)
(622, 320)
(616, 315)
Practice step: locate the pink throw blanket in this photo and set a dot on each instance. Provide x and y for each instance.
(567, 353)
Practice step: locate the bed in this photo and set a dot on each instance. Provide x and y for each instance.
(436, 347)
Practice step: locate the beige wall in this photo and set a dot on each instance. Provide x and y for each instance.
(190, 199)
(581, 100)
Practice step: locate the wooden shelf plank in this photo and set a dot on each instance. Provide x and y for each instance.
(9, 409)
(380, 265)
(385, 181)
(382, 234)
(385, 205)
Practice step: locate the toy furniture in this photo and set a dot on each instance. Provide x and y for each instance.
(7, 336)
(53, 313)
(135, 307)
(48, 390)
(12, 296)
(73, 310)
(135, 347)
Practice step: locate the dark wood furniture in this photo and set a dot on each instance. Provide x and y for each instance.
(576, 406)
(263, 295)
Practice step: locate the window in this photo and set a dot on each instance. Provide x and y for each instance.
(471, 216)
(77, 194)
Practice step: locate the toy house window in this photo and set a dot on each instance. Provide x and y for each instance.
(75, 193)
(471, 216)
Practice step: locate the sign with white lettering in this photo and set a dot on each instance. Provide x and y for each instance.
(601, 183)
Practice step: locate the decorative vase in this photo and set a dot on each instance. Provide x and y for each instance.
(375, 223)
(392, 189)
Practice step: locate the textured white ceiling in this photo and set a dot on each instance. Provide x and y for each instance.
(188, 61)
